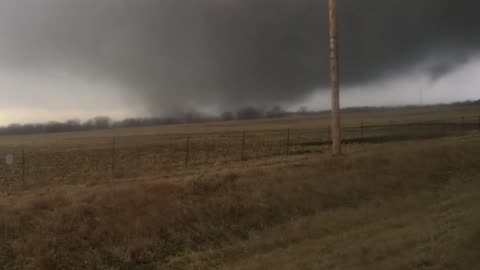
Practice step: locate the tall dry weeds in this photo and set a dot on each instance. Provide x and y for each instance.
(137, 225)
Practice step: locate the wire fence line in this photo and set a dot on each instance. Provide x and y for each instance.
(92, 160)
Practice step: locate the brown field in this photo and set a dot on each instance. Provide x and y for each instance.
(403, 196)
(136, 153)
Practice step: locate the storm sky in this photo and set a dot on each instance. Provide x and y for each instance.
(64, 59)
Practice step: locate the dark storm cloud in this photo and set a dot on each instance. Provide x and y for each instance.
(173, 54)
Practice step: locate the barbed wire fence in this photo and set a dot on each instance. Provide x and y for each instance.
(94, 160)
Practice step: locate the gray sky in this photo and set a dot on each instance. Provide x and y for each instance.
(64, 59)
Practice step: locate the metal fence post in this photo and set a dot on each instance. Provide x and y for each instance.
(23, 166)
(243, 146)
(137, 159)
(187, 152)
(113, 157)
(288, 142)
(329, 132)
(362, 130)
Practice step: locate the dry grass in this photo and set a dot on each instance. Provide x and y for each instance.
(86, 157)
(214, 217)
(452, 113)
(397, 205)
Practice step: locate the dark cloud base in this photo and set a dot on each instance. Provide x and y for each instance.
(172, 54)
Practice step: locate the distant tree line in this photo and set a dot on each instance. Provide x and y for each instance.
(54, 126)
(102, 122)
(98, 123)
(251, 113)
(244, 113)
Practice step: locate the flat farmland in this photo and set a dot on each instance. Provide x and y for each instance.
(263, 194)
(131, 153)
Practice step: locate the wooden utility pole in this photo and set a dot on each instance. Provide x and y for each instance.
(334, 76)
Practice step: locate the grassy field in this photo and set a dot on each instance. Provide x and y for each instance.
(136, 153)
(410, 202)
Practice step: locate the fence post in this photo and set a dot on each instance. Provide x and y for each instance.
(113, 157)
(137, 159)
(23, 166)
(187, 151)
(362, 130)
(243, 146)
(329, 135)
(288, 142)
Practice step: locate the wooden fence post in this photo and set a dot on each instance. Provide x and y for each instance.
(187, 152)
(243, 146)
(288, 142)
